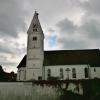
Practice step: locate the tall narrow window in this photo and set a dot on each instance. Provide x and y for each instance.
(86, 73)
(49, 73)
(67, 70)
(74, 73)
(61, 73)
(94, 70)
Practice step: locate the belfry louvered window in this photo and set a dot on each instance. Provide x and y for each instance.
(34, 38)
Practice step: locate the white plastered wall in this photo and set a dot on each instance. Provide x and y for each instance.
(95, 72)
(21, 74)
(55, 71)
(33, 74)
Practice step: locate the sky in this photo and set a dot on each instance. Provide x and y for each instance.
(67, 24)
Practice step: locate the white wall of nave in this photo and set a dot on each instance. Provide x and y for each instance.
(95, 72)
(55, 71)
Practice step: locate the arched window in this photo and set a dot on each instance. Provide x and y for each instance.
(67, 70)
(86, 72)
(49, 73)
(94, 70)
(61, 73)
(74, 73)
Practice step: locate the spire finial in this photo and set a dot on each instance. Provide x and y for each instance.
(36, 12)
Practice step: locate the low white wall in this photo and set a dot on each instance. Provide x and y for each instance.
(29, 91)
(16, 88)
(26, 91)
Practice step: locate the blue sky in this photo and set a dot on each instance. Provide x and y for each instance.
(67, 24)
(52, 41)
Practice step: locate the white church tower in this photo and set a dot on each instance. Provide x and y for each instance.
(35, 50)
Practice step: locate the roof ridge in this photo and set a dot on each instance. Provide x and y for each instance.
(73, 50)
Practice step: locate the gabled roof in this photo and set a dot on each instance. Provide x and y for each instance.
(23, 62)
(72, 57)
(69, 57)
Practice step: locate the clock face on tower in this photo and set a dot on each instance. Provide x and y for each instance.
(34, 27)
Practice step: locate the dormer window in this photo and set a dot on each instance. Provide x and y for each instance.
(34, 38)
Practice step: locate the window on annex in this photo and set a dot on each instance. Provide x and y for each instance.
(74, 73)
(34, 38)
(19, 74)
(86, 72)
(49, 73)
(24, 75)
(61, 73)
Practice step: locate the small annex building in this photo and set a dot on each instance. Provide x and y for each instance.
(59, 64)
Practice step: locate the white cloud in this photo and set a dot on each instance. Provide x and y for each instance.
(70, 24)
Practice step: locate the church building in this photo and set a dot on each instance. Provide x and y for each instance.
(58, 64)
